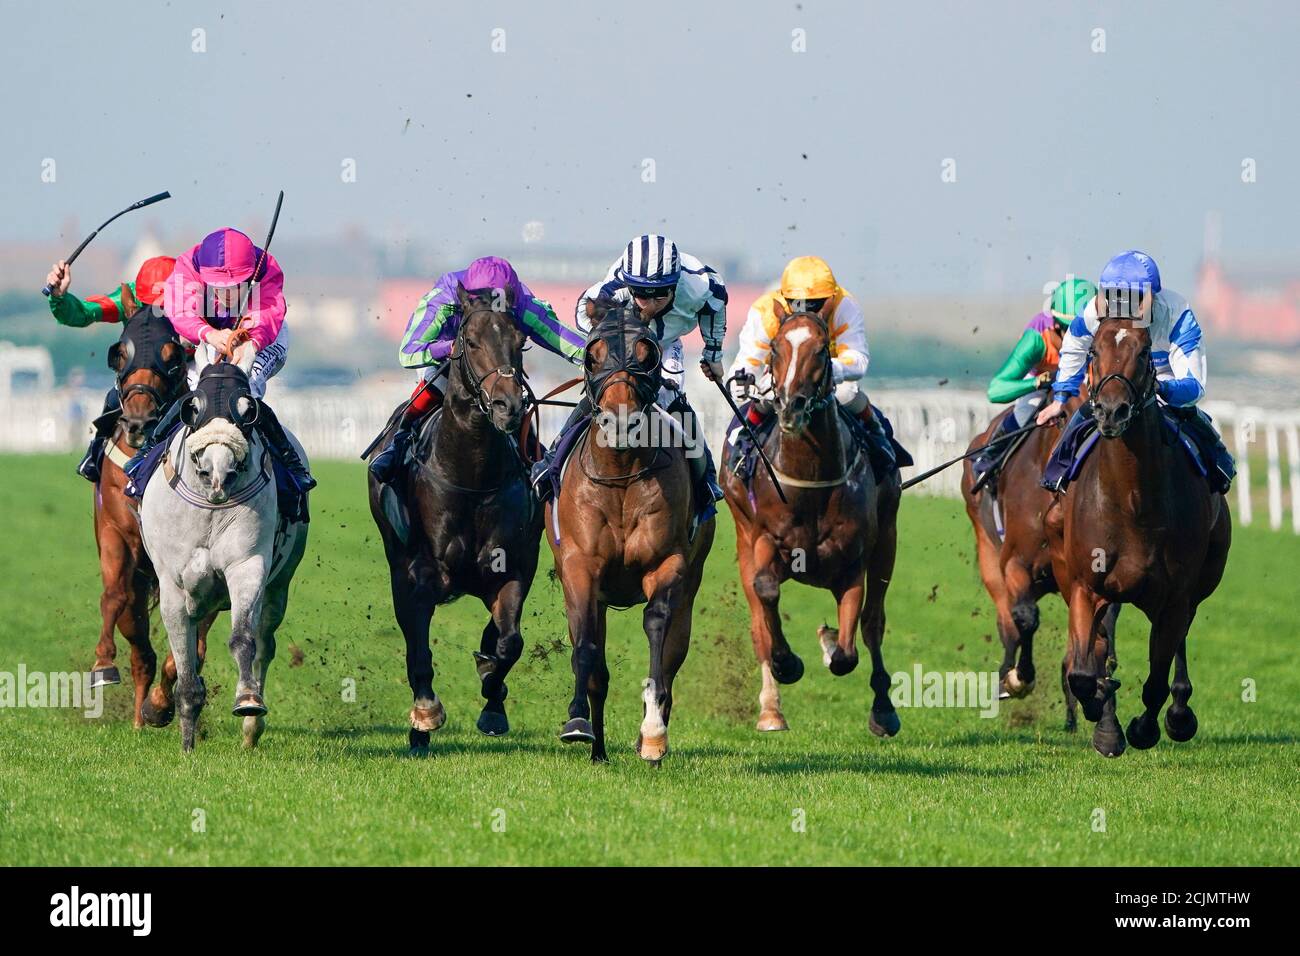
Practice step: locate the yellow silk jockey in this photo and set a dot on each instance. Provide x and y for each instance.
(809, 285)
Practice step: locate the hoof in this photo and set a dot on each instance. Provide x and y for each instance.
(842, 663)
(772, 722)
(104, 676)
(652, 749)
(884, 723)
(1015, 687)
(1143, 733)
(578, 731)
(428, 719)
(828, 637)
(249, 705)
(419, 742)
(492, 723)
(253, 729)
(1071, 724)
(1180, 726)
(787, 670)
(1109, 745)
(156, 716)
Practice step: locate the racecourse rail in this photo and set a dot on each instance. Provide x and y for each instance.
(934, 424)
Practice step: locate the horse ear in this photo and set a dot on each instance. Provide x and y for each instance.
(192, 408)
(462, 298)
(779, 310)
(1100, 302)
(130, 304)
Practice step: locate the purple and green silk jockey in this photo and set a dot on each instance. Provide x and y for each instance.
(432, 329)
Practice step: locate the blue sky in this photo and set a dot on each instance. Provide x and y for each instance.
(1063, 155)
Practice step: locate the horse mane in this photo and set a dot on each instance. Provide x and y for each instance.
(218, 431)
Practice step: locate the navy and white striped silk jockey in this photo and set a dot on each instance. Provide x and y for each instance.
(699, 300)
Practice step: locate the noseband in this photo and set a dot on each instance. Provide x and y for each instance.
(478, 384)
(1139, 399)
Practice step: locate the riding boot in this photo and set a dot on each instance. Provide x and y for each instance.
(273, 432)
(541, 471)
(105, 424)
(1056, 472)
(990, 459)
(387, 465)
(742, 456)
(1220, 468)
(879, 447)
(704, 476)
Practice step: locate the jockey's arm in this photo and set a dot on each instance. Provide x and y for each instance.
(1186, 384)
(542, 327)
(1010, 382)
(755, 346)
(606, 286)
(712, 322)
(73, 312)
(423, 342)
(1069, 376)
(264, 321)
(849, 331)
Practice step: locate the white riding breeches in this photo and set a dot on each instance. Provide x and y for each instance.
(266, 362)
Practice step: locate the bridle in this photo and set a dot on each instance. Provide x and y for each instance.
(480, 394)
(125, 350)
(826, 396)
(1139, 399)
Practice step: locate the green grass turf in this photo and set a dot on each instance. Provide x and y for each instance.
(332, 782)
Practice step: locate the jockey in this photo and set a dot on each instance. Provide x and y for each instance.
(807, 284)
(67, 309)
(225, 295)
(674, 294)
(1177, 353)
(1031, 367)
(431, 333)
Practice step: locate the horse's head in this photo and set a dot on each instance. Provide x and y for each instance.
(150, 366)
(623, 361)
(220, 414)
(1121, 372)
(802, 383)
(489, 354)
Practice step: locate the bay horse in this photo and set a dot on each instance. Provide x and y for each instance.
(1137, 525)
(837, 531)
(1016, 567)
(149, 364)
(475, 525)
(620, 529)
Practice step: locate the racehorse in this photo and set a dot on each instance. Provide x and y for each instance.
(1138, 525)
(837, 530)
(1016, 567)
(218, 541)
(149, 363)
(474, 524)
(621, 528)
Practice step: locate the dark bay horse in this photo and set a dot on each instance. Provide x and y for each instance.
(838, 531)
(620, 531)
(475, 524)
(1017, 568)
(149, 362)
(1138, 525)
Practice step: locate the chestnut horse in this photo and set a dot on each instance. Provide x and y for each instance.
(838, 530)
(620, 530)
(149, 362)
(1017, 568)
(1138, 525)
(474, 522)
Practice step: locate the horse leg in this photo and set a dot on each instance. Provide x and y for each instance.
(884, 720)
(1168, 634)
(182, 637)
(115, 569)
(840, 645)
(246, 583)
(769, 697)
(133, 622)
(1180, 721)
(1089, 671)
(1018, 680)
(989, 555)
(583, 611)
(497, 658)
(598, 690)
(664, 591)
(273, 607)
(413, 604)
(158, 707)
(786, 665)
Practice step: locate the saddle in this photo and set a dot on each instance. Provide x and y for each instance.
(1088, 436)
(884, 451)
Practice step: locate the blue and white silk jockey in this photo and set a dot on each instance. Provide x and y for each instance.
(1177, 351)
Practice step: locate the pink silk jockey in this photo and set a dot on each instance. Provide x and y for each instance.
(225, 258)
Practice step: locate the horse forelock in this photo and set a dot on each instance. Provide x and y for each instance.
(218, 431)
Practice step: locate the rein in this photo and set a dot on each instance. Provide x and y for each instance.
(813, 406)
